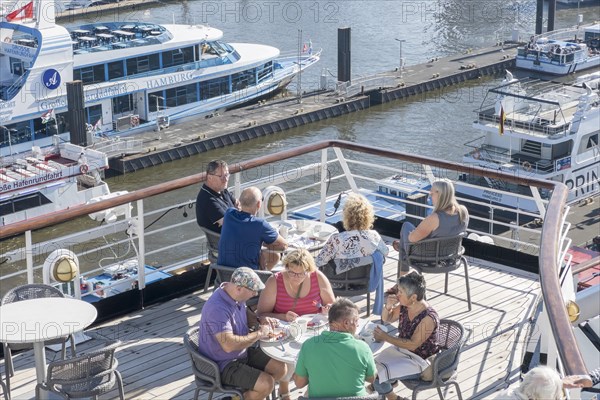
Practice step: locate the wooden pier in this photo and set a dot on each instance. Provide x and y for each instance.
(204, 133)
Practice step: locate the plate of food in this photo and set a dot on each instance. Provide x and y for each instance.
(317, 321)
(276, 335)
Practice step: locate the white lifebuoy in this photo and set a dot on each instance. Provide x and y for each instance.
(527, 166)
(84, 169)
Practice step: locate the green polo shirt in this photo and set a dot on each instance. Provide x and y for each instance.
(336, 365)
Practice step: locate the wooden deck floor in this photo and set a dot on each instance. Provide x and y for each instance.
(154, 364)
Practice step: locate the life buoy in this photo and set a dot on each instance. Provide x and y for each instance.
(84, 169)
(527, 166)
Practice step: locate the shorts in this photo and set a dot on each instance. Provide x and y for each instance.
(244, 372)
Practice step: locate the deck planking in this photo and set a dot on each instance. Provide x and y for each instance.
(154, 363)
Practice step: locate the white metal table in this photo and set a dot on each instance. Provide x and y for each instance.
(39, 320)
(287, 350)
(311, 237)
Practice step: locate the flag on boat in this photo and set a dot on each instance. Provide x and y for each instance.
(304, 48)
(97, 125)
(47, 116)
(25, 12)
(502, 119)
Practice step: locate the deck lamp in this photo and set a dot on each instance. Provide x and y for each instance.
(61, 266)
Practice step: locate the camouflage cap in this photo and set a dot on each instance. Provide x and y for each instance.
(246, 277)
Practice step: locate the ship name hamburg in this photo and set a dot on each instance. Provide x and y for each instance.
(171, 79)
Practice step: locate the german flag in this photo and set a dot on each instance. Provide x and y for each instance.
(502, 120)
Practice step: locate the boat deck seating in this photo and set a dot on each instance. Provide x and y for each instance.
(151, 356)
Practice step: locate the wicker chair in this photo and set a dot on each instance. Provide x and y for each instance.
(206, 371)
(27, 292)
(451, 336)
(373, 396)
(350, 283)
(5, 392)
(212, 239)
(440, 256)
(87, 375)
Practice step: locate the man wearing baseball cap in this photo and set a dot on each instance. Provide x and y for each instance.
(226, 339)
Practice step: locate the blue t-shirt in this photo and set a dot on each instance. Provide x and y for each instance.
(221, 314)
(242, 236)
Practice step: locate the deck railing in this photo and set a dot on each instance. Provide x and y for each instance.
(552, 243)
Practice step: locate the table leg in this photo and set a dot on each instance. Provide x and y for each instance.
(40, 365)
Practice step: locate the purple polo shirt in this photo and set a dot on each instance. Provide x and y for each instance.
(221, 314)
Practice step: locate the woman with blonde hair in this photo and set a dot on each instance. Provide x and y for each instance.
(358, 242)
(447, 219)
(297, 290)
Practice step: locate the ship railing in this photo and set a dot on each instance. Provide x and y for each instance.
(168, 236)
(119, 146)
(535, 126)
(360, 85)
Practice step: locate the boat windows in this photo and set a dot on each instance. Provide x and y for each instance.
(88, 75)
(116, 70)
(16, 66)
(178, 57)
(137, 65)
(182, 95)
(23, 203)
(265, 71)
(214, 88)
(242, 80)
(122, 104)
(94, 114)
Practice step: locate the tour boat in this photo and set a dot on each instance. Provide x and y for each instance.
(49, 181)
(134, 74)
(561, 52)
(535, 129)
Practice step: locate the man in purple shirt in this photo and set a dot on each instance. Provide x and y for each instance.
(224, 337)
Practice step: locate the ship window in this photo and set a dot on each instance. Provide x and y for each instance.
(265, 71)
(214, 88)
(181, 95)
(94, 113)
(178, 57)
(152, 101)
(138, 65)
(116, 70)
(15, 133)
(242, 80)
(88, 75)
(122, 104)
(16, 66)
(592, 141)
(23, 203)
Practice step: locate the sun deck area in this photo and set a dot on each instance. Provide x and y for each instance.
(154, 364)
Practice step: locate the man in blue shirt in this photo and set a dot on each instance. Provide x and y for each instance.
(243, 235)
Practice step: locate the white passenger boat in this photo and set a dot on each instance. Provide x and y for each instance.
(50, 181)
(133, 74)
(561, 52)
(539, 130)
(510, 278)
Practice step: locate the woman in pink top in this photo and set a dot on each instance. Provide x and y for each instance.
(298, 290)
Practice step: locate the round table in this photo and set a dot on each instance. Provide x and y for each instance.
(311, 237)
(287, 350)
(38, 320)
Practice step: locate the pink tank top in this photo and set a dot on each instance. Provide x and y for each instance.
(305, 305)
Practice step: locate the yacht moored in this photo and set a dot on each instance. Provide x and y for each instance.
(135, 74)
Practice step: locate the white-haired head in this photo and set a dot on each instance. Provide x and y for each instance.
(541, 383)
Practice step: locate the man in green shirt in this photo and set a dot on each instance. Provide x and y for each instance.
(335, 363)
